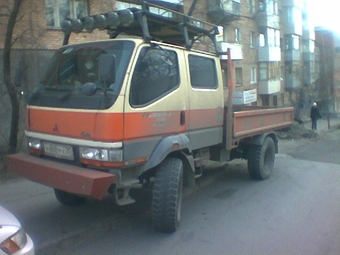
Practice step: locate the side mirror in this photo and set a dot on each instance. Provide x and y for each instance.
(107, 69)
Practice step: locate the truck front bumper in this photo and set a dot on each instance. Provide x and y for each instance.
(73, 179)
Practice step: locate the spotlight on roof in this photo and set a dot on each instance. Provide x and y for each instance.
(126, 17)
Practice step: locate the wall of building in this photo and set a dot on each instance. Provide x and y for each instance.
(32, 35)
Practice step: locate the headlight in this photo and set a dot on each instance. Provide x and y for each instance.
(101, 154)
(15, 242)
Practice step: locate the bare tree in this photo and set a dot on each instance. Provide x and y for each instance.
(11, 89)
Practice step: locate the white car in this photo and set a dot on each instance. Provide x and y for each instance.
(13, 239)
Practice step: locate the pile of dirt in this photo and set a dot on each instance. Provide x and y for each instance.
(296, 131)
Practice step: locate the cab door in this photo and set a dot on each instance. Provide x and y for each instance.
(205, 100)
(155, 102)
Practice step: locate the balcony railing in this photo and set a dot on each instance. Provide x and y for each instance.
(269, 87)
(235, 50)
(222, 11)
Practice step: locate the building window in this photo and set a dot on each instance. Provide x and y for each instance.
(220, 35)
(251, 6)
(156, 10)
(59, 10)
(253, 78)
(277, 38)
(265, 100)
(274, 70)
(262, 5)
(272, 7)
(122, 5)
(296, 42)
(292, 69)
(262, 40)
(275, 100)
(252, 39)
(263, 72)
(273, 37)
(292, 42)
(238, 71)
(237, 35)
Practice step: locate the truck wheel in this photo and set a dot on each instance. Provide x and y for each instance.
(68, 199)
(167, 195)
(261, 159)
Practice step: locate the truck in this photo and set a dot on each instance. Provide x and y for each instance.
(142, 109)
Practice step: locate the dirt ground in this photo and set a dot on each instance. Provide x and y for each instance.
(299, 134)
(297, 131)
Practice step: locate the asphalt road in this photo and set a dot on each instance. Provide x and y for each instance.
(296, 211)
(326, 149)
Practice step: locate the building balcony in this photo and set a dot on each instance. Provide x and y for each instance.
(292, 55)
(267, 54)
(297, 3)
(292, 27)
(309, 77)
(269, 87)
(223, 11)
(308, 56)
(264, 20)
(235, 50)
(308, 34)
(292, 82)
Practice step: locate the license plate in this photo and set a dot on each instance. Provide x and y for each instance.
(59, 151)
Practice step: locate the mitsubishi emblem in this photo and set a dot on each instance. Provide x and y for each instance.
(56, 128)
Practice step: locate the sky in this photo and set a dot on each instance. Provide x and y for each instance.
(326, 13)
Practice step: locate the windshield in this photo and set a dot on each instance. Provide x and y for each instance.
(74, 69)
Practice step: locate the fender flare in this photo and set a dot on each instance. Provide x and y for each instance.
(165, 147)
(259, 140)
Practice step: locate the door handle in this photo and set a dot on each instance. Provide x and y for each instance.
(182, 118)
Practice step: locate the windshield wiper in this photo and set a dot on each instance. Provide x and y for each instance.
(36, 91)
(67, 95)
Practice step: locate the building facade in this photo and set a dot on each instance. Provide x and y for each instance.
(329, 71)
(272, 43)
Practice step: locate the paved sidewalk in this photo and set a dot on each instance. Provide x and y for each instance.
(322, 124)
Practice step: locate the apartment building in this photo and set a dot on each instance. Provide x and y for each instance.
(271, 41)
(329, 67)
(274, 45)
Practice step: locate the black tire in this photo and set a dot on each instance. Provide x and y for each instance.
(261, 159)
(68, 199)
(167, 195)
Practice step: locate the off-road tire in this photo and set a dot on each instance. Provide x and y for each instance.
(68, 199)
(261, 159)
(167, 195)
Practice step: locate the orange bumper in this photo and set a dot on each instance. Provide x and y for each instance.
(73, 179)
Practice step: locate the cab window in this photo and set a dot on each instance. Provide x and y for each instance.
(202, 72)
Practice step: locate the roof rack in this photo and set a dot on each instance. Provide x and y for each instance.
(169, 26)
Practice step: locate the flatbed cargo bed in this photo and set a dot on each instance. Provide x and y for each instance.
(252, 121)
